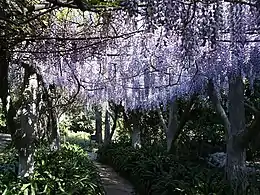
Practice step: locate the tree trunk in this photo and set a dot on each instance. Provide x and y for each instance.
(26, 162)
(236, 153)
(52, 123)
(28, 128)
(136, 132)
(172, 125)
(98, 125)
(3, 75)
(184, 118)
(116, 111)
(55, 135)
(107, 126)
(174, 128)
(218, 107)
(7, 106)
(114, 125)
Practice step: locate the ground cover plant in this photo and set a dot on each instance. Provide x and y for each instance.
(67, 171)
(154, 172)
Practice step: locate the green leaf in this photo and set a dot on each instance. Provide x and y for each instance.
(25, 186)
(26, 191)
(5, 192)
(32, 190)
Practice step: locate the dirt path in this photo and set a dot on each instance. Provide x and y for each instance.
(113, 183)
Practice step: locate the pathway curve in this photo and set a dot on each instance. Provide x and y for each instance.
(112, 182)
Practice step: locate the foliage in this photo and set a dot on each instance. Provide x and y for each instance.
(152, 171)
(81, 139)
(81, 123)
(2, 123)
(203, 134)
(77, 122)
(67, 171)
(2, 120)
(150, 127)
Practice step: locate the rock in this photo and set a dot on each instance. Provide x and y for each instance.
(92, 155)
(217, 159)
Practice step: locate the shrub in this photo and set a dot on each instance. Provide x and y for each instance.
(152, 171)
(81, 139)
(66, 171)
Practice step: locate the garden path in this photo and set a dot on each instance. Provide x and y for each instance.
(112, 182)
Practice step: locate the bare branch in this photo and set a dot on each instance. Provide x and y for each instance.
(251, 107)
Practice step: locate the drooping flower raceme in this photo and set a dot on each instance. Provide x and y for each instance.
(167, 50)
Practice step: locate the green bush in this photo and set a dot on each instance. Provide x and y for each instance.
(81, 139)
(152, 171)
(66, 171)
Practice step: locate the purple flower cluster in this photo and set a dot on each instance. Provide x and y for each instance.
(177, 48)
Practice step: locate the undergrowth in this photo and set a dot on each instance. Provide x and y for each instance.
(152, 171)
(67, 171)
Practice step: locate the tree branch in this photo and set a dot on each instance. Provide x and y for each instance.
(162, 119)
(250, 133)
(184, 118)
(251, 107)
(38, 15)
(217, 105)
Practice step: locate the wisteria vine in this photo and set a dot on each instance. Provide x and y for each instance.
(160, 51)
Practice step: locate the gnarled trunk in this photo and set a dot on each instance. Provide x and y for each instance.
(235, 130)
(236, 153)
(116, 112)
(7, 106)
(170, 131)
(3, 75)
(52, 119)
(26, 162)
(27, 132)
(174, 128)
(218, 107)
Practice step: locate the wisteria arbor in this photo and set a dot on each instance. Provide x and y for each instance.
(148, 53)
